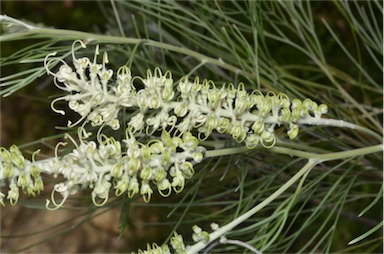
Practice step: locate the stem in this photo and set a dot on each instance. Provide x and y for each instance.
(328, 156)
(76, 35)
(337, 123)
(313, 160)
(225, 151)
(299, 153)
(16, 21)
(242, 244)
(221, 231)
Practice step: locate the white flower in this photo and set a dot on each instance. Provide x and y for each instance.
(177, 243)
(137, 122)
(146, 191)
(13, 193)
(101, 191)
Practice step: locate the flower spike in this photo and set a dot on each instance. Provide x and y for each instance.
(250, 118)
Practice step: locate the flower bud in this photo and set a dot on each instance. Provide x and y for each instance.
(17, 157)
(146, 191)
(146, 173)
(293, 131)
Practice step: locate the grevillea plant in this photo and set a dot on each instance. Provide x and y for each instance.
(185, 114)
(155, 135)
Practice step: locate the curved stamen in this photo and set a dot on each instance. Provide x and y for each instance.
(73, 47)
(58, 110)
(56, 206)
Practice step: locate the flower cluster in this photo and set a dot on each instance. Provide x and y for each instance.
(163, 105)
(247, 117)
(131, 167)
(177, 247)
(200, 235)
(88, 90)
(164, 164)
(177, 242)
(19, 173)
